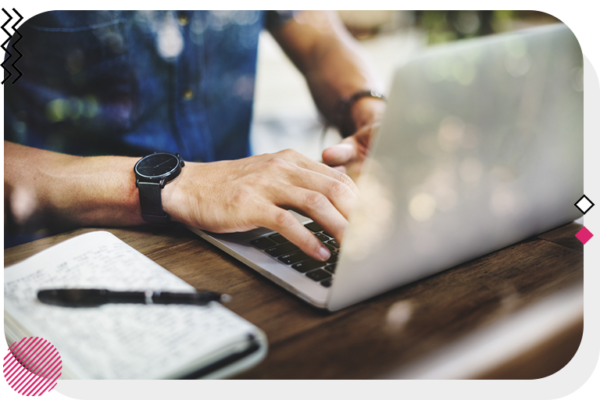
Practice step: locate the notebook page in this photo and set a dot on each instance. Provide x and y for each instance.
(116, 341)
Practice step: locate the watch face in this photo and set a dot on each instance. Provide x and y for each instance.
(156, 165)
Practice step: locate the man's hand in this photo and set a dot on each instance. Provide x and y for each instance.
(235, 196)
(349, 155)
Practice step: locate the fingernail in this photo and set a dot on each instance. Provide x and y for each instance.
(324, 253)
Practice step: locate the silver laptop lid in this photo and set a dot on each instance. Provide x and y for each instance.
(481, 146)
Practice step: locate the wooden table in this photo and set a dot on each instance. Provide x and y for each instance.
(394, 332)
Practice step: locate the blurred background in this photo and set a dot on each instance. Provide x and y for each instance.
(284, 113)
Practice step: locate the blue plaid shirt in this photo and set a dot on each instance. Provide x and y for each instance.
(135, 82)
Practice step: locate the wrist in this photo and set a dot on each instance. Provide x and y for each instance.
(172, 198)
(362, 108)
(175, 195)
(367, 111)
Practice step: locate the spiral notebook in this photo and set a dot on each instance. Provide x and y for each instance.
(124, 341)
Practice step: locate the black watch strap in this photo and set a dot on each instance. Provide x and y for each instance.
(151, 202)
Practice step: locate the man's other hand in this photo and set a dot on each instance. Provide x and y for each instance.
(349, 155)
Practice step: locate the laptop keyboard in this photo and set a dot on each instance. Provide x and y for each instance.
(289, 254)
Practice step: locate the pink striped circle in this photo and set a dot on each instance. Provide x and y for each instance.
(32, 366)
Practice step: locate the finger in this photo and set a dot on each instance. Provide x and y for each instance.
(340, 154)
(339, 194)
(316, 206)
(307, 163)
(340, 168)
(284, 222)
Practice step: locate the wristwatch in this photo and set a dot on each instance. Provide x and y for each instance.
(152, 173)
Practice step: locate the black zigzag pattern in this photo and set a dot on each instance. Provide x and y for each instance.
(4, 45)
(14, 45)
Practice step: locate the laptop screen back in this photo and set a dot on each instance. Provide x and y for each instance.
(481, 147)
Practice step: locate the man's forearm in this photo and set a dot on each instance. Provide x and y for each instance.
(329, 90)
(336, 72)
(50, 191)
(332, 63)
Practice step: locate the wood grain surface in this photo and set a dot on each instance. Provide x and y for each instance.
(384, 333)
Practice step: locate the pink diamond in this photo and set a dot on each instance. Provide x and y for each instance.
(584, 235)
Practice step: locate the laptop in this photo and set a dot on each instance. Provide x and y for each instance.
(481, 147)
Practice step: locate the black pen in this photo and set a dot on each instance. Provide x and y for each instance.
(98, 297)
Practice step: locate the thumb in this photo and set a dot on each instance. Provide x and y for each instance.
(340, 154)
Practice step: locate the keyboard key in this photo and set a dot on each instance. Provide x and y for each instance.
(313, 226)
(326, 282)
(322, 237)
(330, 268)
(334, 243)
(278, 238)
(331, 248)
(333, 259)
(307, 265)
(263, 243)
(318, 275)
(293, 258)
(328, 234)
(281, 249)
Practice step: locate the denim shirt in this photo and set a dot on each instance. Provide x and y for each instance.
(136, 82)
